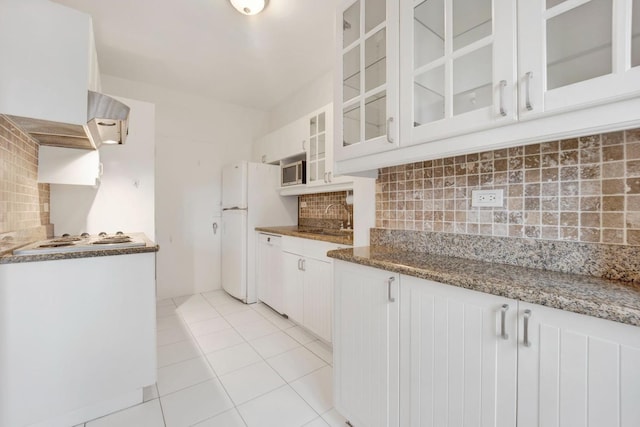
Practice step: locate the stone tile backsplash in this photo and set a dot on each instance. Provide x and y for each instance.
(313, 206)
(22, 199)
(584, 189)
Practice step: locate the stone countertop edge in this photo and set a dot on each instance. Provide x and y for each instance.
(603, 298)
(150, 247)
(294, 231)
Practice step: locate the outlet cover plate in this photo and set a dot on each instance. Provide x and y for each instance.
(487, 198)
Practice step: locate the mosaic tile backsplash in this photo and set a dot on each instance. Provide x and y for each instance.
(22, 199)
(313, 206)
(584, 189)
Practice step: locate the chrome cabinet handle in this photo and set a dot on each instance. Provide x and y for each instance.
(299, 263)
(389, 282)
(389, 139)
(304, 267)
(304, 143)
(326, 180)
(525, 341)
(330, 177)
(264, 158)
(503, 321)
(269, 239)
(215, 227)
(527, 82)
(503, 84)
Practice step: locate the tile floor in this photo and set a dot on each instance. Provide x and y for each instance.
(224, 363)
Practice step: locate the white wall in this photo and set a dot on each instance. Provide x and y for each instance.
(124, 199)
(195, 137)
(315, 95)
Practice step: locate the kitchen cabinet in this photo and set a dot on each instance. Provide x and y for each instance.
(473, 359)
(46, 61)
(479, 75)
(366, 98)
(68, 166)
(269, 271)
(561, 66)
(308, 293)
(458, 357)
(288, 141)
(320, 154)
(576, 370)
(458, 67)
(366, 345)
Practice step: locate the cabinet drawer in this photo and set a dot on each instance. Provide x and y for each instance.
(309, 248)
(270, 239)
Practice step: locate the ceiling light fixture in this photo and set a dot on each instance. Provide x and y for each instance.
(249, 7)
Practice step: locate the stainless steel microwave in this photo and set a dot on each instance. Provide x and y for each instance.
(294, 173)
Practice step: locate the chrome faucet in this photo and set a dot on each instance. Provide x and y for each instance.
(346, 208)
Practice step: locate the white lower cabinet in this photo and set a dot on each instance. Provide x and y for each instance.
(471, 359)
(306, 278)
(577, 370)
(269, 271)
(458, 358)
(365, 345)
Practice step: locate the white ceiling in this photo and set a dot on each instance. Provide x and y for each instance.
(208, 48)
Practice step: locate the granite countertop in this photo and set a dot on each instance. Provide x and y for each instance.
(603, 298)
(150, 247)
(342, 237)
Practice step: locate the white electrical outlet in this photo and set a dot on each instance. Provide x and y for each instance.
(487, 198)
(303, 204)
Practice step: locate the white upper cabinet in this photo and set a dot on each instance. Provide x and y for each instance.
(319, 157)
(366, 101)
(45, 61)
(457, 69)
(577, 53)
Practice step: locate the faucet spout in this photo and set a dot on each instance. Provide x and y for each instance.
(344, 205)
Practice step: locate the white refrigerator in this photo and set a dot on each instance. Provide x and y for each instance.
(250, 199)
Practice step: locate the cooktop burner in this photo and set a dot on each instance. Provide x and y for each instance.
(81, 243)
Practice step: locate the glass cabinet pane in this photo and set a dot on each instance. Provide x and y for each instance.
(313, 172)
(429, 97)
(375, 12)
(321, 122)
(428, 32)
(375, 113)
(351, 125)
(471, 21)
(472, 81)
(351, 74)
(351, 24)
(313, 126)
(375, 54)
(635, 31)
(321, 145)
(313, 148)
(579, 44)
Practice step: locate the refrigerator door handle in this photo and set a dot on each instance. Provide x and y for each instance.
(215, 228)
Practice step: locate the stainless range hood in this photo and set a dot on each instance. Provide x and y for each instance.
(107, 123)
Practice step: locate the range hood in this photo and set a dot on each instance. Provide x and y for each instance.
(107, 123)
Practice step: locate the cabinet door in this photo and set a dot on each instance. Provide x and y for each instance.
(292, 139)
(293, 286)
(577, 371)
(577, 53)
(269, 272)
(365, 345)
(367, 71)
(458, 369)
(317, 160)
(318, 297)
(457, 67)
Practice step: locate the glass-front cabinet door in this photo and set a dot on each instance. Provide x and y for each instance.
(457, 67)
(576, 53)
(317, 163)
(366, 105)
